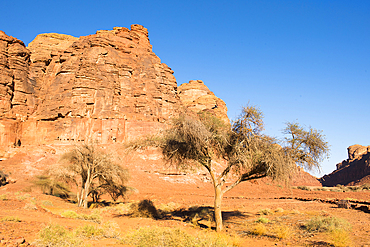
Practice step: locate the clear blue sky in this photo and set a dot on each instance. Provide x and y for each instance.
(305, 61)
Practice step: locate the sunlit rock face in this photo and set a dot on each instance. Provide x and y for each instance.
(353, 171)
(196, 96)
(108, 86)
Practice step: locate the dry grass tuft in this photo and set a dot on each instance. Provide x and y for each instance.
(169, 237)
(339, 238)
(283, 232)
(94, 217)
(259, 229)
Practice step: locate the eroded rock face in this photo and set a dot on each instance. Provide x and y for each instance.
(108, 86)
(197, 97)
(353, 171)
(16, 93)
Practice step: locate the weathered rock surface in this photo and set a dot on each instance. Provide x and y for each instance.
(108, 86)
(302, 178)
(353, 171)
(197, 97)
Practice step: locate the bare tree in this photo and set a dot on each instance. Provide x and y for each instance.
(92, 171)
(249, 154)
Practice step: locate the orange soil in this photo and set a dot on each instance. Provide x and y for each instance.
(162, 185)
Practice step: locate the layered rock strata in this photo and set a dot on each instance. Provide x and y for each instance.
(109, 86)
(353, 171)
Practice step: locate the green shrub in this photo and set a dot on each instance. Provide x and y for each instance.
(11, 218)
(107, 230)
(265, 211)
(262, 220)
(169, 237)
(94, 217)
(58, 236)
(144, 209)
(23, 197)
(327, 224)
(303, 188)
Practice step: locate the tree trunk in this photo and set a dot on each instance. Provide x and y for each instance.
(87, 188)
(217, 208)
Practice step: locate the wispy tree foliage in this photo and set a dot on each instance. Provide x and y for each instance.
(307, 147)
(93, 172)
(249, 153)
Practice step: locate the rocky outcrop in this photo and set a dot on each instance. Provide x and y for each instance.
(197, 97)
(108, 86)
(353, 171)
(16, 93)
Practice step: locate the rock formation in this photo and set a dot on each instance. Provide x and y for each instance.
(197, 97)
(353, 171)
(108, 86)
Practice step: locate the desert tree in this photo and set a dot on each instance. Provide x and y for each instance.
(248, 154)
(93, 172)
(306, 147)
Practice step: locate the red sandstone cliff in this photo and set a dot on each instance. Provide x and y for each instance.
(353, 171)
(109, 86)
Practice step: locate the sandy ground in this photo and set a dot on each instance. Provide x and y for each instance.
(165, 186)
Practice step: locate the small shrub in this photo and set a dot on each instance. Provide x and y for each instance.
(327, 224)
(335, 189)
(262, 220)
(339, 238)
(144, 209)
(304, 188)
(90, 232)
(11, 218)
(283, 231)
(354, 188)
(23, 197)
(3, 197)
(94, 217)
(70, 214)
(58, 236)
(259, 229)
(265, 211)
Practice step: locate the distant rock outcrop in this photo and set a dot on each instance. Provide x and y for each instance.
(108, 86)
(353, 171)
